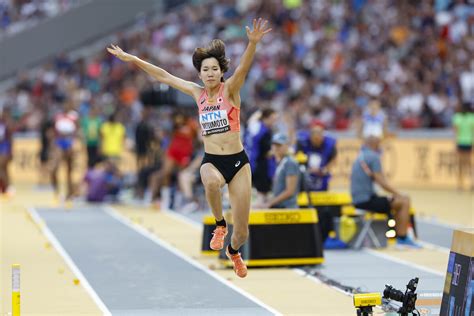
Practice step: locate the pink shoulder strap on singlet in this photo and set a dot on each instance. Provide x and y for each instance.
(200, 100)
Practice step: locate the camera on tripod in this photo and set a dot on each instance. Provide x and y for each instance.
(366, 301)
(408, 299)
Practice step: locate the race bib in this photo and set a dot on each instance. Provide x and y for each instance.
(214, 122)
(65, 126)
(314, 161)
(372, 129)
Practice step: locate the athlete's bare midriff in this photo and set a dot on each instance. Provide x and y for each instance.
(223, 144)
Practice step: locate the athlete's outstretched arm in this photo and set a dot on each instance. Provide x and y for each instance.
(158, 73)
(236, 81)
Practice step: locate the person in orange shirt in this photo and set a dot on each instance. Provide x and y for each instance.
(225, 161)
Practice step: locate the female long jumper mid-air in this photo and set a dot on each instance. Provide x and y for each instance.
(225, 160)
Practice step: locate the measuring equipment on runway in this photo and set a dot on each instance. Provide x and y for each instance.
(16, 290)
(366, 301)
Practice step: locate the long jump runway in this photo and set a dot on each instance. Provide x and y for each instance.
(134, 275)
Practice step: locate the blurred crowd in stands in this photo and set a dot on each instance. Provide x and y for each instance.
(324, 61)
(18, 15)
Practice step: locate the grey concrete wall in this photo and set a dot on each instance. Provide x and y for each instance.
(69, 30)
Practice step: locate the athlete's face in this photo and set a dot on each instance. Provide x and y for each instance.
(179, 120)
(211, 73)
(279, 150)
(317, 135)
(271, 120)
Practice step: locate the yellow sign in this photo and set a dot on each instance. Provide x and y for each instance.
(287, 216)
(412, 163)
(277, 262)
(367, 299)
(273, 217)
(26, 164)
(407, 163)
(324, 198)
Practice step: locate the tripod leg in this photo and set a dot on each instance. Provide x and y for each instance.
(373, 238)
(362, 235)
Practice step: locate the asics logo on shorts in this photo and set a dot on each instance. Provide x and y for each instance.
(237, 164)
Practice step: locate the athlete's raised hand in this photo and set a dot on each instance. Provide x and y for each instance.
(119, 53)
(259, 29)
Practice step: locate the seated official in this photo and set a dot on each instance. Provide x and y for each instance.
(102, 182)
(320, 148)
(366, 171)
(286, 178)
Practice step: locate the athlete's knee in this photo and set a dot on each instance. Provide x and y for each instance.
(211, 183)
(168, 171)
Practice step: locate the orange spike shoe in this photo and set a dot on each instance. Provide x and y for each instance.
(217, 241)
(239, 265)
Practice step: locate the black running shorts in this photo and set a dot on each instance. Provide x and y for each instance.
(377, 204)
(228, 165)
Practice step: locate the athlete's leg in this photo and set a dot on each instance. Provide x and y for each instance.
(213, 181)
(68, 157)
(240, 190)
(185, 182)
(463, 166)
(154, 183)
(401, 205)
(3, 172)
(44, 166)
(56, 157)
(169, 165)
(466, 165)
(7, 171)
